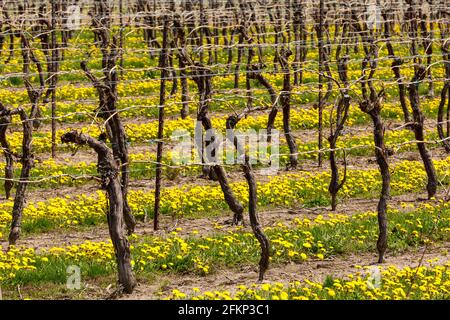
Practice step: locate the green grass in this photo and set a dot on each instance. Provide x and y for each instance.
(338, 238)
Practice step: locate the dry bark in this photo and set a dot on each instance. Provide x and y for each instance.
(253, 196)
(445, 97)
(283, 101)
(418, 128)
(342, 109)
(27, 161)
(109, 171)
(202, 76)
(107, 91)
(371, 104)
(28, 123)
(5, 120)
(395, 66)
(163, 64)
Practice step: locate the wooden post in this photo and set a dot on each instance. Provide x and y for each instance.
(54, 74)
(121, 36)
(321, 69)
(162, 101)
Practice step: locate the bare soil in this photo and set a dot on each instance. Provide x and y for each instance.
(213, 225)
(314, 270)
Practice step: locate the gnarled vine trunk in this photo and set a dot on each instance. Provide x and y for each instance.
(5, 120)
(27, 161)
(418, 128)
(253, 196)
(107, 91)
(445, 97)
(109, 172)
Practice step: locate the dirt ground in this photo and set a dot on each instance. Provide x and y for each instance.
(207, 226)
(230, 279)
